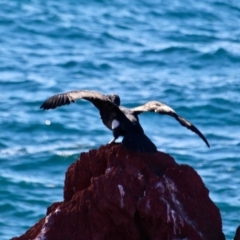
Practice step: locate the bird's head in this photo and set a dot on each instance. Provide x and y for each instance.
(114, 98)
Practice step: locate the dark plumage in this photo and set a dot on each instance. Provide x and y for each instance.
(121, 121)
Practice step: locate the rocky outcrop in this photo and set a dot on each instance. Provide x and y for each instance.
(113, 193)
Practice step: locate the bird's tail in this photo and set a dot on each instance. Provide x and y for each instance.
(138, 142)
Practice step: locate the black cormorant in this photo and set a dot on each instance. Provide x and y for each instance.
(120, 120)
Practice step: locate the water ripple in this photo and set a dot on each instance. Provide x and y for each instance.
(185, 54)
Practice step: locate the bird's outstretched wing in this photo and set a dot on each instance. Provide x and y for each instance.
(99, 100)
(105, 104)
(161, 108)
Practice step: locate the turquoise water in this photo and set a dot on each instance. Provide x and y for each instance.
(183, 53)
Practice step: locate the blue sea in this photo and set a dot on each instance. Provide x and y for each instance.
(183, 53)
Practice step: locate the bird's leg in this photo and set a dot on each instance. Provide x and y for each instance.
(113, 140)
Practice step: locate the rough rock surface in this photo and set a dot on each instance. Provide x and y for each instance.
(112, 193)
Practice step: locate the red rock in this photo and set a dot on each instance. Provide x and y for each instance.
(112, 193)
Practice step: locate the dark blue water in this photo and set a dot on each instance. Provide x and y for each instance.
(183, 53)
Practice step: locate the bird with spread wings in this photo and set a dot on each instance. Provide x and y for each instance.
(120, 120)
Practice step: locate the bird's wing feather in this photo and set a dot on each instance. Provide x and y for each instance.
(99, 100)
(161, 108)
(108, 110)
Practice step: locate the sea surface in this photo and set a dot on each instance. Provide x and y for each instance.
(183, 53)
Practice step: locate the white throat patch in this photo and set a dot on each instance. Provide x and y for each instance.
(115, 124)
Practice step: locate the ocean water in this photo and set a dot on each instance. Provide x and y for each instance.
(183, 53)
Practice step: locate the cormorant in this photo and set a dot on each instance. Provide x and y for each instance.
(120, 120)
